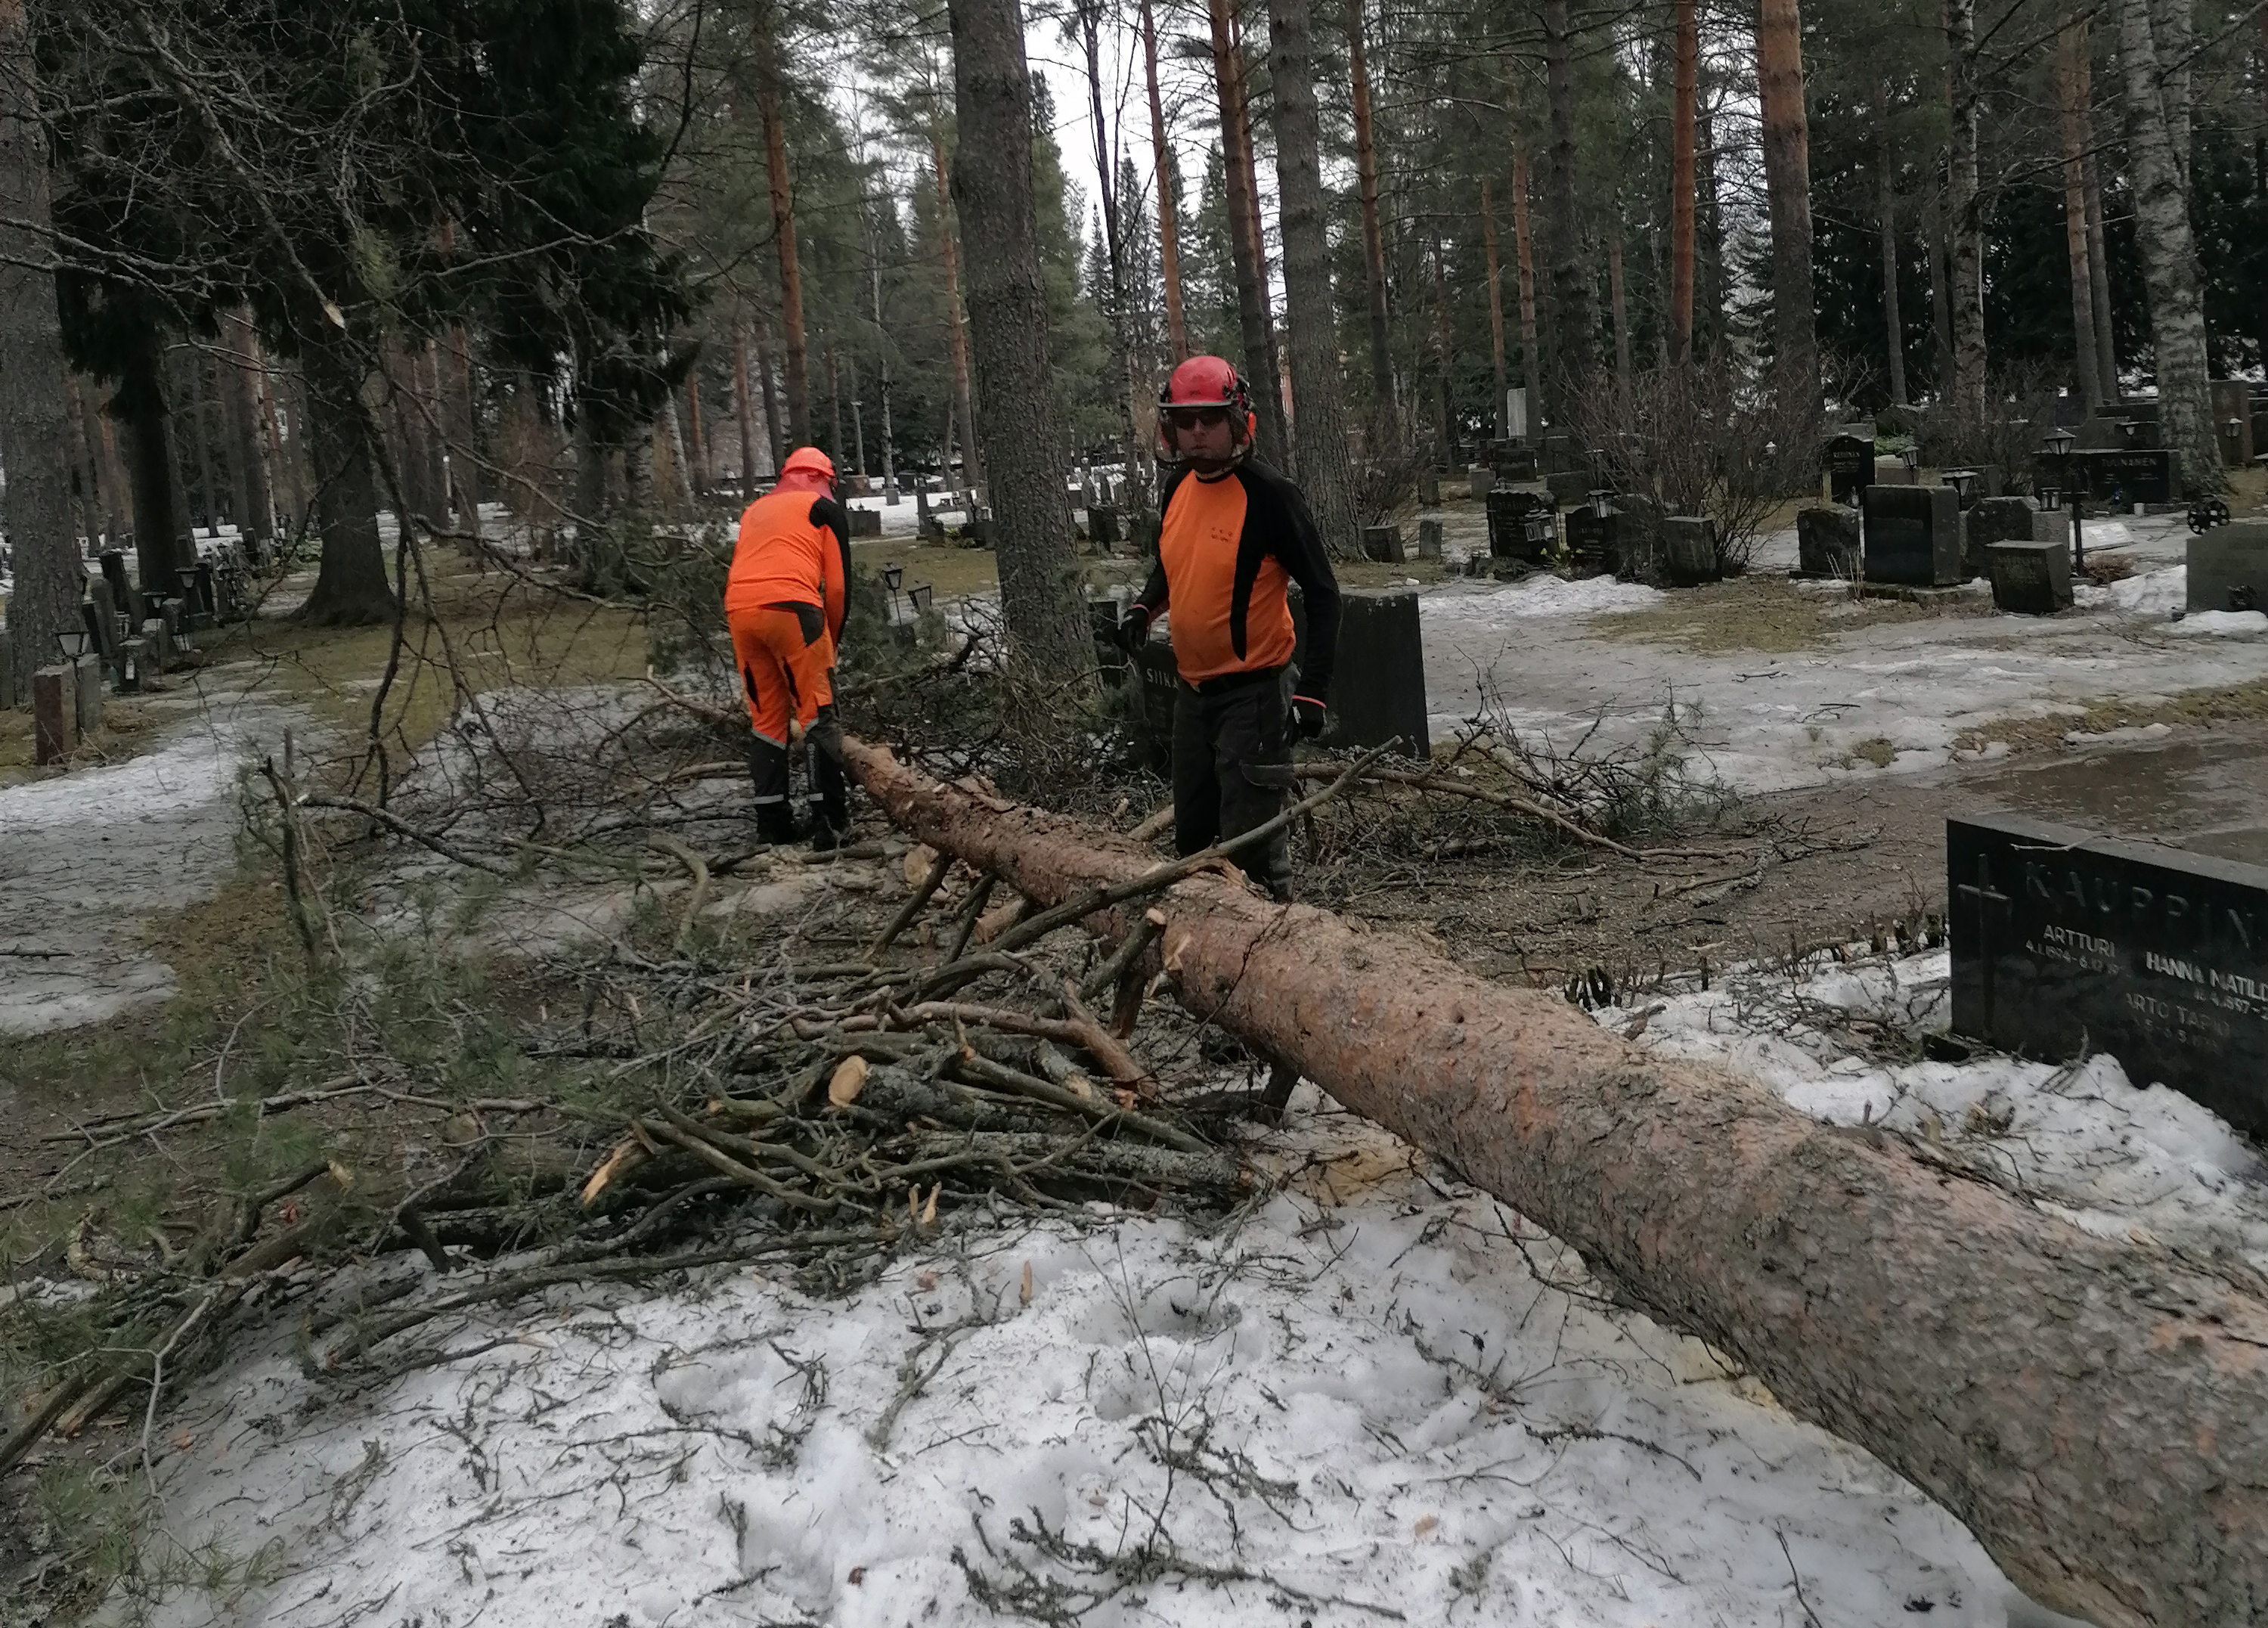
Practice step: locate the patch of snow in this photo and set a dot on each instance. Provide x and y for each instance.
(1379, 1397)
(1540, 596)
(2148, 593)
(2221, 625)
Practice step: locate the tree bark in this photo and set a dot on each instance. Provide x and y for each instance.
(243, 382)
(1620, 307)
(1444, 348)
(35, 417)
(956, 322)
(1573, 316)
(350, 585)
(1886, 217)
(2173, 24)
(2169, 263)
(2072, 53)
(1169, 242)
(1683, 117)
(1965, 208)
(1247, 256)
(769, 396)
(2098, 273)
(1048, 629)
(1787, 182)
(697, 440)
(191, 371)
(161, 515)
(782, 197)
(1374, 238)
(2094, 1409)
(464, 426)
(1523, 248)
(744, 410)
(1320, 451)
(1941, 298)
(1496, 313)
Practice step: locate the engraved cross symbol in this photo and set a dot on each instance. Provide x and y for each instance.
(1986, 898)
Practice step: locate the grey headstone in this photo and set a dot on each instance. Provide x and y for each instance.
(55, 714)
(2228, 568)
(2030, 579)
(1688, 550)
(1483, 480)
(2063, 942)
(1429, 539)
(1429, 487)
(158, 642)
(1913, 536)
(1570, 487)
(1989, 520)
(87, 695)
(1827, 543)
(1382, 544)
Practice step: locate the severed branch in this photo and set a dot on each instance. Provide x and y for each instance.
(913, 907)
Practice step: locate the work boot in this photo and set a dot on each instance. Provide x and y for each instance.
(775, 815)
(830, 786)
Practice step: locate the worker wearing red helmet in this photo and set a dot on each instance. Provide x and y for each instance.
(785, 602)
(1235, 533)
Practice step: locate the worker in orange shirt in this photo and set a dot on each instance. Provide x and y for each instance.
(785, 602)
(1235, 534)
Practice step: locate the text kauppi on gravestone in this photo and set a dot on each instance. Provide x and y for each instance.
(2064, 943)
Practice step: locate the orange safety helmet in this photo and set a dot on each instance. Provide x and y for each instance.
(1205, 381)
(809, 460)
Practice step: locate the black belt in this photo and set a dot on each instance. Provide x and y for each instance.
(1220, 683)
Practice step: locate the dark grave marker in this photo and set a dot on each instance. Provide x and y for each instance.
(2228, 568)
(1483, 479)
(86, 694)
(1429, 487)
(2131, 476)
(1159, 679)
(1516, 513)
(1382, 544)
(1827, 543)
(101, 621)
(1850, 467)
(8, 702)
(2029, 578)
(1688, 550)
(1562, 456)
(1515, 462)
(1913, 536)
(1989, 520)
(55, 714)
(1378, 691)
(1569, 486)
(2064, 942)
(1429, 539)
(1594, 540)
(1102, 526)
(122, 590)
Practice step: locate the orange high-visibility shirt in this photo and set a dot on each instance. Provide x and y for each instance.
(793, 549)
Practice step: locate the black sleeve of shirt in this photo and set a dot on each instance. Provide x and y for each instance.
(1299, 547)
(1156, 592)
(827, 512)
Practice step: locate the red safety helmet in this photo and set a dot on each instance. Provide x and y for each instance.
(1204, 381)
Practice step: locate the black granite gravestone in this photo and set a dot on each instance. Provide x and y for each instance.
(1913, 536)
(1159, 679)
(2228, 568)
(1989, 520)
(1688, 550)
(2029, 578)
(2064, 943)
(1827, 543)
(1594, 540)
(1509, 512)
(1382, 544)
(1850, 467)
(1102, 526)
(1378, 690)
(2131, 476)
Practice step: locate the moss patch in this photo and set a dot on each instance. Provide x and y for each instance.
(1763, 612)
(2191, 709)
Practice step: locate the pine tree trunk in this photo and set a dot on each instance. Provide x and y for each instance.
(34, 422)
(782, 198)
(240, 381)
(85, 480)
(161, 515)
(2169, 263)
(744, 410)
(1444, 351)
(1787, 181)
(191, 370)
(1620, 306)
(1257, 234)
(1531, 369)
(1320, 452)
(1573, 317)
(1683, 124)
(1374, 239)
(2094, 1409)
(769, 396)
(1885, 219)
(1941, 298)
(2072, 52)
(1245, 256)
(1039, 600)
(956, 320)
(350, 587)
(117, 498)
(464, 421)
(696, 440)
(1708, 291)
(1965, 208)
(1170, 244)
(1496, 313)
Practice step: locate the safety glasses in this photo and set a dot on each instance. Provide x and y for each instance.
(1196, 417)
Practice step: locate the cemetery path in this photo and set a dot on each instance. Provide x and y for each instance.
(88, 859)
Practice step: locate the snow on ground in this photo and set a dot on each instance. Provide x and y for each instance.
(2086, 1142)
(87, 857)
(1536, 596)
(1379, 1397)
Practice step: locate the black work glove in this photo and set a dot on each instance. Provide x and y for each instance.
(1306, 717)
(1134, 629)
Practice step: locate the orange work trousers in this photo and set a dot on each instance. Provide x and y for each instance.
(786, 659)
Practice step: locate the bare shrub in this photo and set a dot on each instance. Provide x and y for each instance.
(2004, 433)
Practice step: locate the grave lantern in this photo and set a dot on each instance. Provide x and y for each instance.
(1911, 458)
(1601, 501)
(1959, 479)
(893, 575)
(919, 598)
(2058, 445)
(73, 643)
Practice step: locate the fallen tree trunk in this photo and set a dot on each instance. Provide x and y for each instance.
(2095, 1411)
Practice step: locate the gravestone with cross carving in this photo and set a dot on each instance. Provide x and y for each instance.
(2066, 943)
